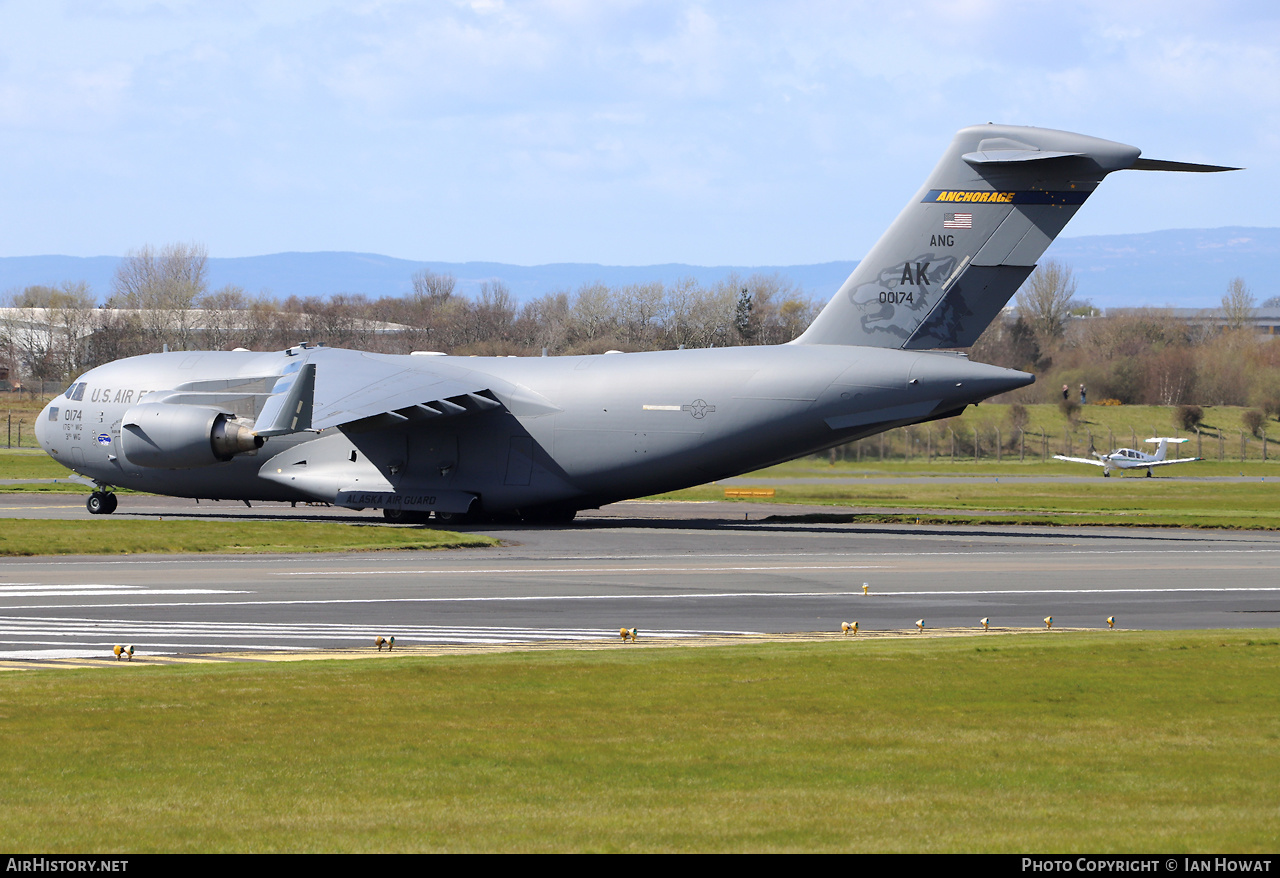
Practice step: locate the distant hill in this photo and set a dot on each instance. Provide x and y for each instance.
(1185, 268)
(324, 274)
(1182, 267)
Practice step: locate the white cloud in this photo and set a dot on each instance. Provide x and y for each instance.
(705, 131)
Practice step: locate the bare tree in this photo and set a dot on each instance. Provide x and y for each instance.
(493, 317)
(1237, 304)
(777, 309)
(57, 322)
(165, 286)
(594, 312)
(1006, 342)
(1045, 302)
(1169, 375)
(638, 309)
(711, 318)
(117, 334)
(681, 302)
(32, 338)
(224, 315)
(793, 316)
(1223, 370)
(544, 323)
(72, 313)
(428, 286)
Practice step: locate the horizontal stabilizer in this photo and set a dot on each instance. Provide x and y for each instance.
(1159, 165)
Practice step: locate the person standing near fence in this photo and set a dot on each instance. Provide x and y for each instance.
(1066, 391)
(1083, 400)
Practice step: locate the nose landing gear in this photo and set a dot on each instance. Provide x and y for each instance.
(101, 503)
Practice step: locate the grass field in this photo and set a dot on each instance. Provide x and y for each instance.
(870, 468)
(1123, 424)
(1049, 742)
(30, 463)
(1163, 502)
(33, 463)
(102, 536)
(18, 413)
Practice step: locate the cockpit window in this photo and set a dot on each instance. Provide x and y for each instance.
(75, 391)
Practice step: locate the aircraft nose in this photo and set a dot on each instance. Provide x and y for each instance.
(43, 434)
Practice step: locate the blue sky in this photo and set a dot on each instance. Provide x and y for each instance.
(631, 133)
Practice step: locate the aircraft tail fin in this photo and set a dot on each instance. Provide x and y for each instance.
(968, 239)
(1163, 450)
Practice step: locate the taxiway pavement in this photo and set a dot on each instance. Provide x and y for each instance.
(670, 569)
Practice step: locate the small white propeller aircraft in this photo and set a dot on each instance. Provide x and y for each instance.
(1130, 458)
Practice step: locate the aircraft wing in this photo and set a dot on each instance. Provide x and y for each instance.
(332, 387)
(1078, 460)
(361, 390)
(1167, 462)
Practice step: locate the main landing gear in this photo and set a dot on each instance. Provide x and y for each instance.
(101, 503)
(538, 516)
(405, 516)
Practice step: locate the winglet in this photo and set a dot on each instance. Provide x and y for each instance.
(288, 410)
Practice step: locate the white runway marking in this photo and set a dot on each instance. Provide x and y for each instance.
(662, 596)
(870, 564)
(49, 654)
(31, 589)
(872, 559)
(36, 586)
(524, 571)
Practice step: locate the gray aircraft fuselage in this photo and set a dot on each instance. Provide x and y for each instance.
(571, 432)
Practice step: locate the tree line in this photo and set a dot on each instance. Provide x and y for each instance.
(162, 297)
(1141, 356)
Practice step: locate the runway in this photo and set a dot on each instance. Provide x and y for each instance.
(671, 570)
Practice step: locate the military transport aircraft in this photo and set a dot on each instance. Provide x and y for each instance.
(543, 437)
(1131, 458)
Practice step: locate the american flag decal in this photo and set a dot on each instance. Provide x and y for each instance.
(957, 220)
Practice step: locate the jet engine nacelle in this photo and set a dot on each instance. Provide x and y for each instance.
(169, 436)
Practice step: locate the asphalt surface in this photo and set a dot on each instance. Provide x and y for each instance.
(673, 570)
